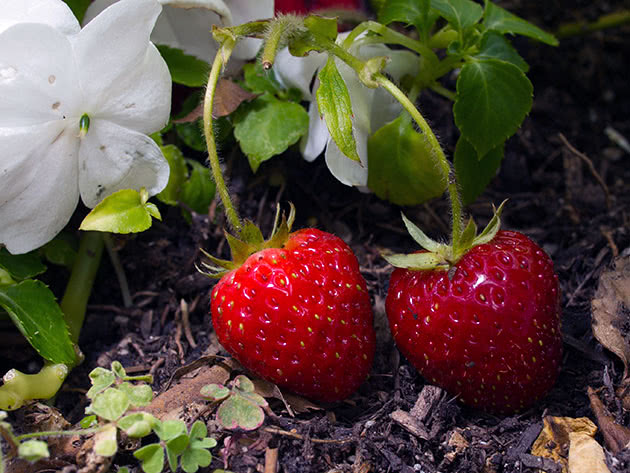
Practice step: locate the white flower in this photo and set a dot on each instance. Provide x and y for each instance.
(187, 24)
(51, 12)
(371, 108)
(108, 72)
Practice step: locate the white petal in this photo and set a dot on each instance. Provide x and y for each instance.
(48, 199)
(298, 72)
(349, 172)
(313, 144)
(37, 76)
(96, 7)
(22, 149)
(112, 45)
(140, 100)
(112, 158)
(50, 12)
(244, 11)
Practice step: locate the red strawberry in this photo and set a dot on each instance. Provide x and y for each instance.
(488, 329)
(302, 7)
(299, 316)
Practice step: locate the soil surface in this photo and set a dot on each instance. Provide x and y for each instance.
(566, 181)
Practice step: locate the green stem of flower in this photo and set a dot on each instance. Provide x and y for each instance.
(580, 28)
(275, 34)
(58, 433)
(118, 269)
(19, 388)
(443, 91)
(220, 60)
(75, 298)
(449, 175)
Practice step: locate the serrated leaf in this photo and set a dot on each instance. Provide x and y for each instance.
(110, 405)
(474, 174)
(35, 312)
(33, 450)
(101, 379)
(322, 26)
(259, 80)
(185, 69)
(105, 441)
(333, 101)
(417, 261)
(495, 46)
(501, 20)
(401, 165)
(239, 412)
(23, 266)
(124, 211)
(151, 457)
(176, 177)
(493, 98)
(461, 14)
(267, 126)
(139, 395)
(416, 13)
(215, 392)
(420, 237)
(199, 189)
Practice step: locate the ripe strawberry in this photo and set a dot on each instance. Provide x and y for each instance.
(488, 329)
(299, 315)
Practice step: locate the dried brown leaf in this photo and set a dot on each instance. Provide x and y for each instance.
(585, 454)
(617, 437)
(611, 310)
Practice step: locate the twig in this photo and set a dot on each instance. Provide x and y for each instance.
(183, 305)
(271, 460)
(611, 242)
(589, 163)
(275, 430)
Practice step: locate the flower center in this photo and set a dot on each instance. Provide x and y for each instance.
(84, 124)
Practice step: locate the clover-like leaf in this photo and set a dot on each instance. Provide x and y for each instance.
(170, 429)
(138, 424)
(333, 100)
(118, 369)
(106, 442)
(124, 211)
(139, 395)
(33, 450)
(215, 392)
(239, 412)
(493, 98)
(101, 379)
(151, 458)
(110, 405)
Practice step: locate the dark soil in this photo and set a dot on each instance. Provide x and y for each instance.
(575, 206)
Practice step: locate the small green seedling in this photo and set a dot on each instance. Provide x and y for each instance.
(241, 407)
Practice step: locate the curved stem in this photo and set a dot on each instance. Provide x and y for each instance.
(79, 288)
(449, 175)
(220, 60)
(58, 433)
(275, 34)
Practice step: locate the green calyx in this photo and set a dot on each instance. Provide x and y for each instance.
(443, 256)
(249, 240)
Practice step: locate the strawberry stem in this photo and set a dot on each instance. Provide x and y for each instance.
(220, 60)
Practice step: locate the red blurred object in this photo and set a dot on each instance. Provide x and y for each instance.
(305, 6)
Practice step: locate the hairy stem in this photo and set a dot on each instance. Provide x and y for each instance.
(79, 288)
(220, 60)
(275, 35)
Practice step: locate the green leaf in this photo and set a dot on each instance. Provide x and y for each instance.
(170, 429)
(267, 126)
(110, 405)
(199, 189)
(118, 369)
(35, 312)
(193, 458)
(61, 250)
(259, 80)
(333, 100)
(462, 14)
(215, 392)
(23, 266)
(501, 20)
(192, 135)
(492, 228)
(493, 98)
(139, 395)
(138, 424)
(401, 165)
(106, 442)
(151, 457)
(177, 175)
(33, 450)
(125, 211)
(101, 379)
(78, 7)
(495, 46)
(88, 421)
(186, 70)
(420, 237)
(416, 261)
(321, 26)
(239, 412)
(174, 448)
(473, 174)
(417, 13)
